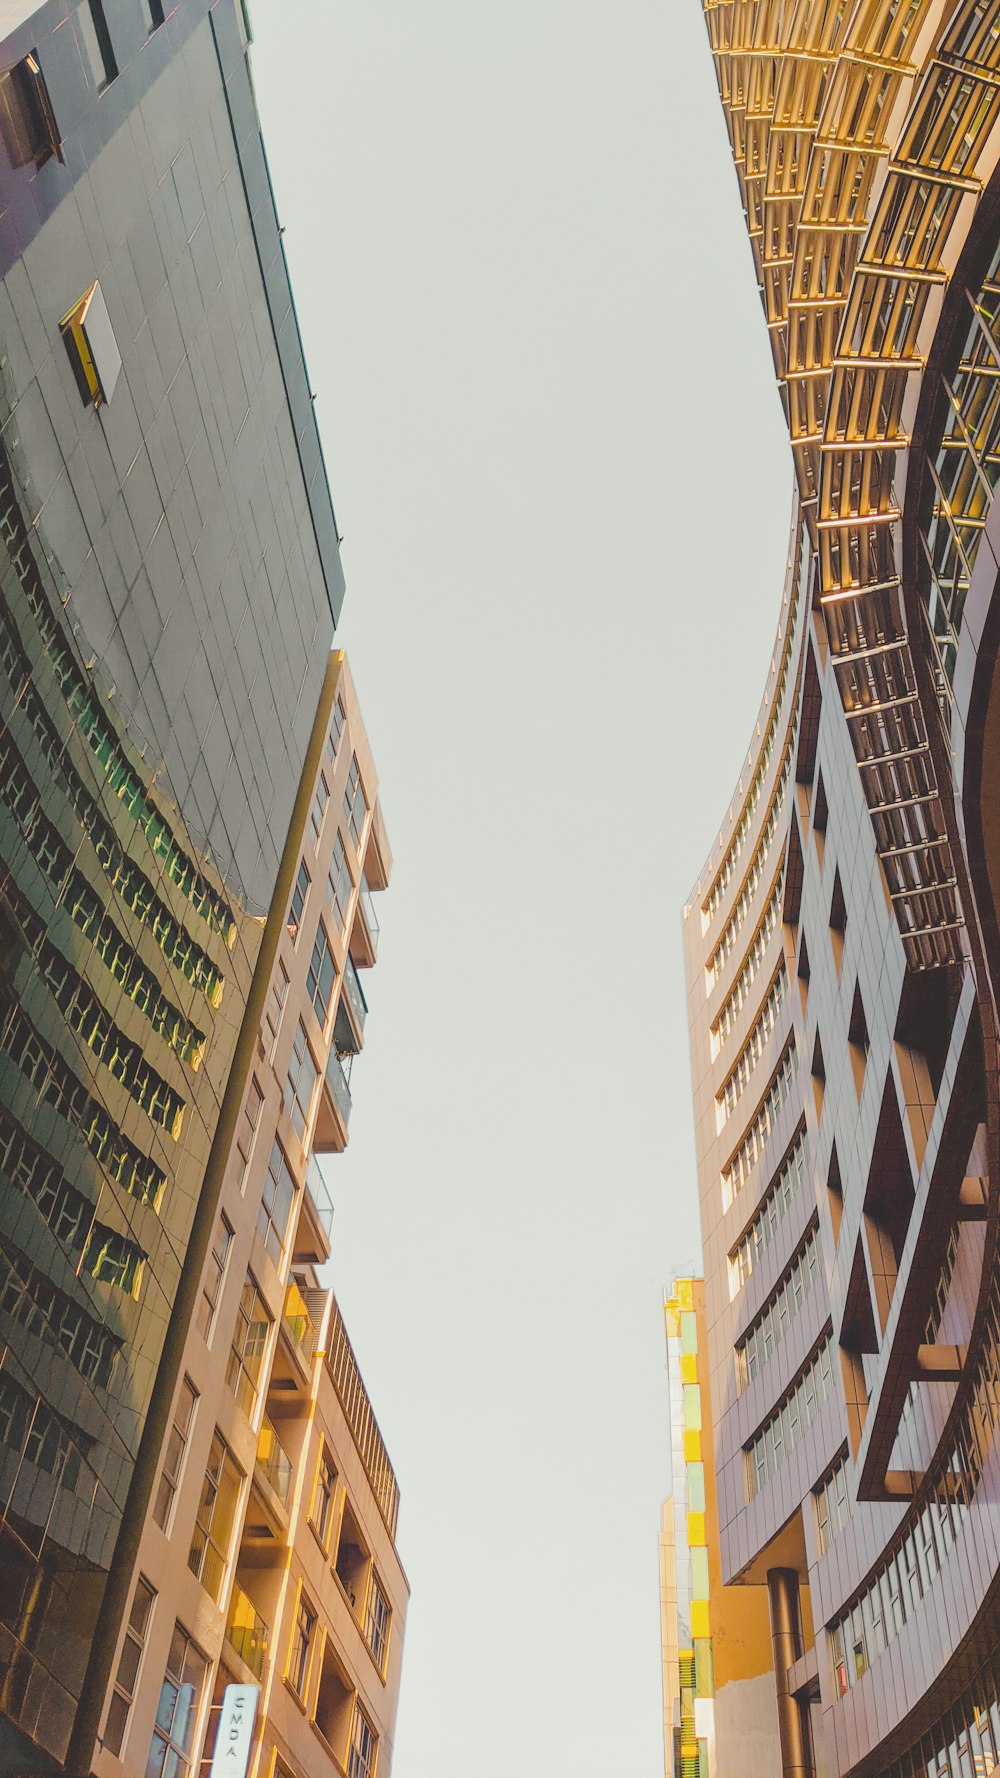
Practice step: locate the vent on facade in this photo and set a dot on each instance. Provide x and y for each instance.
(27, 121)
(820, 816)
(92, 347)
(858, 1338)
(793, 877)
(818, 1072)
(811, 704)
(835, 1193)
(802, 973)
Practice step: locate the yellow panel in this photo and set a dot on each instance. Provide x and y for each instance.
(689, 1368)
(692, 1447)
(699, 1618)
(696, 1529)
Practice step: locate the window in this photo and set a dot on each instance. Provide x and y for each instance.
(34, 135)
(275, 1007)
(323, 1498)
(299, 894)
(96, 40)
(111, 1258)
(215, 1272)
(173, 1461)
(302, 1635)
(378, 1615)
(279, 1190)
(247, 1130)
(177, 1715)
(364, 1746)
(154, 13)
(317, 814)
(128, 1666)
(340, 882)
(300, 1083)
(253, 1324)
(322, 975)
(355, 802)
(336, 729)
(216, 1516)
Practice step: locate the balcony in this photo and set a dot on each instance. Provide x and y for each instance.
(274, 1465)
(301, 1325)
(334, 1113)
(354, 994)
(354, 1400)
(247, 1632)
(312, 1232)
(365, 931)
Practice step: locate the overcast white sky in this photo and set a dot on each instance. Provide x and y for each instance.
(558, 463)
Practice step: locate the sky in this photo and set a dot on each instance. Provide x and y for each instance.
(559, 467)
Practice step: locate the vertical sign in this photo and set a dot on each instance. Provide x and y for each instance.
(232, 1742)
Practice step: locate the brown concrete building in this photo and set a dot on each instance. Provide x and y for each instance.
(842, 949)
(269, 1556)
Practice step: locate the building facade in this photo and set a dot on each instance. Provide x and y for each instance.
(718, 1695)
(169, 585)
(842, 954)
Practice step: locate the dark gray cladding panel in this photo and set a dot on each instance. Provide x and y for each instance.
(189, 519)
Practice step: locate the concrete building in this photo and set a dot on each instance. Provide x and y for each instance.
(841, 940)
(169, 585)
(718, 1692)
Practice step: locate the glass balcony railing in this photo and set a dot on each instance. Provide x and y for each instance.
(370, 916)
(319, 1192)
(355, 995)
(298, 1324)
(247, 1632)
(273, 1461)
(338, 1080)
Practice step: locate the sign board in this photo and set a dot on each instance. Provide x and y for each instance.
(235, 1733)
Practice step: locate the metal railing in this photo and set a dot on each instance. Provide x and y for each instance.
(353, 1397)
(370, 916)
(247, 1632)
(337, 1081)
(273, 1461)
(299, 1324)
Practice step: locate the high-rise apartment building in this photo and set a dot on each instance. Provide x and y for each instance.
(169, 584)
(717, 1687)
(842, 939)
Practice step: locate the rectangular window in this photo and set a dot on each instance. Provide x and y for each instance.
(341, 885)
(364, 1746)
(279, 1190)
(215, 1274)
(216, 1516)
(299, 895)
(173, 1461)
(321, 977)
(253, 1324)
(129, 1662)
(377, 1619)
(96, 40)
(275, 1006)
(323, 1498)
(302, 1636)
(179, 1709)
(317, 814)
(300, 1083)
(154, 14)
(355, 802)
(247, 1130)
(336, 729)
(35, 134)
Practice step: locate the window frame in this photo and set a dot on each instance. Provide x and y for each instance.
(134, 1638)
(209, 1562)
(183, 1434)
(293, 1104)
(173, 1679)
(315, 975)
(94, 11)
(300, 894)
(300, 1648)
(268, 1227)
(238, 1372)
(222, 1267)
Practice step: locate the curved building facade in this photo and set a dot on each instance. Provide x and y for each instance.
(843, 947)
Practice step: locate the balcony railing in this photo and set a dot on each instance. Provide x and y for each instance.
(319, 1193)
(355, 995)
(298, 1324)
(353, 1397)
(273, 1461)
(247, 1632)
(370, 916)
(337, 1079)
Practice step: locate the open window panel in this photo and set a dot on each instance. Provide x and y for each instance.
(92, 347)
(27, 121)
(334, 1704)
